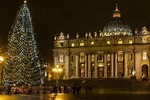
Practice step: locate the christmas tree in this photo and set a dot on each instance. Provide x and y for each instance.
(23, 63)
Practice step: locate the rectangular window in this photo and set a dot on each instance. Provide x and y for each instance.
(108, 42)
(92, 43)
(61, 44)
(81, 43)
(119, 41)
(72, 45)
(130, 41)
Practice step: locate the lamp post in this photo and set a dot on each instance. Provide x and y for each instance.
(57, 69)
(1, 61)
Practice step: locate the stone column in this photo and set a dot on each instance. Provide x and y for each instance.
(77, 65)
(126, 65)
(137, 67)
(105, 65)
(86, 65)
(0, 74)
(67, 66)
(89, 65)
(95, 67)
(112, 65)
(116, 69)
(55, 59)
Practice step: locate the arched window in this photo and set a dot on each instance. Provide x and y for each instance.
(144, 40)
(108, 57)
(61, 58)
(144, 55)
(120, 56)
(93, 58)
(82, 57)
(72, 44)
(100, 57)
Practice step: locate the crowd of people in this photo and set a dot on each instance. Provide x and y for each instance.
(74, 89)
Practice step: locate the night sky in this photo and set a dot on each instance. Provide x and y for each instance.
(50, 17)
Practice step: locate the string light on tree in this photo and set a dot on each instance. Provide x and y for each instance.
(23, 63)
(25, 1)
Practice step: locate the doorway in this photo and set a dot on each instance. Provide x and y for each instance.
(145, 71)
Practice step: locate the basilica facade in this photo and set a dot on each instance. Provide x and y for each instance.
(114, 52)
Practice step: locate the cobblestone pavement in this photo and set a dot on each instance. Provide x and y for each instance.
(128, 93)
(80, 97)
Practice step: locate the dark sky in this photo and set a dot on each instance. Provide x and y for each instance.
(50, 17)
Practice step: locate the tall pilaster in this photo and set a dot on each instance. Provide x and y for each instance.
(126, 64)
(95, 67)
(105, 65)
(86, 65)
(0, 74)
(112, 65)
(67, 66)
(55, 59)
(77, 65)
(89, 65)
(116, 67)
(138, 69)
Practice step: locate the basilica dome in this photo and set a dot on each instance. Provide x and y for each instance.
(117, 27)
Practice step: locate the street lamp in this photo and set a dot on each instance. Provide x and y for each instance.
(1, 60)
(57, 70)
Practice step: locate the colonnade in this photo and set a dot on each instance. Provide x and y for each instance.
(88, 65)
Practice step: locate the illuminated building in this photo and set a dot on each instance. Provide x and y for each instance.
(114, 52)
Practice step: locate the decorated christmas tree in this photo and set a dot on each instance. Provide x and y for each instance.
(23, 63)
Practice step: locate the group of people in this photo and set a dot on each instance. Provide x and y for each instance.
(75, 89)
(40, 89)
